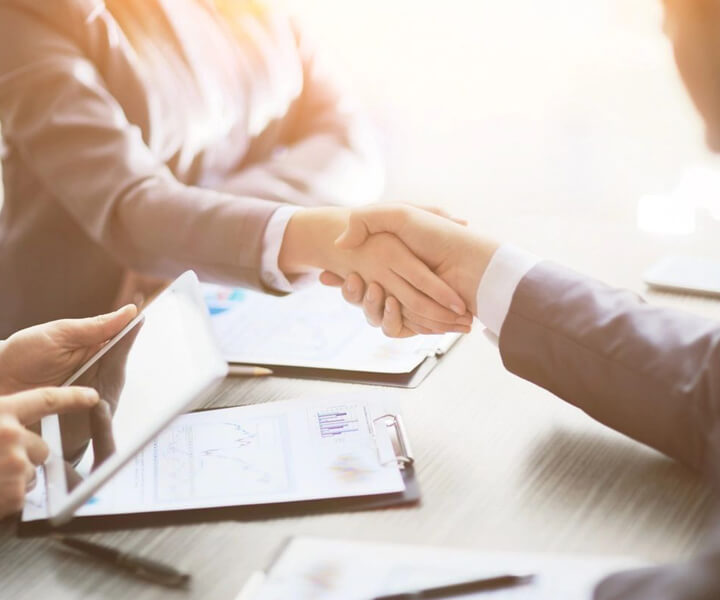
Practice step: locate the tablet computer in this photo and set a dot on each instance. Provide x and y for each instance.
(163, 363)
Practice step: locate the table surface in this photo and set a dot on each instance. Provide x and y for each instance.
(502, 465)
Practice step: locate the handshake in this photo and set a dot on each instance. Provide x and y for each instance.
(413, 271)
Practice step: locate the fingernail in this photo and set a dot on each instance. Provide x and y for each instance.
(90, 395)
(388, 307)
(464, 321)
(456, 309)
(350, 286)
(370, 296)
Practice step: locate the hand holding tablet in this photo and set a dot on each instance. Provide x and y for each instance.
(48, 354)
(155, 368)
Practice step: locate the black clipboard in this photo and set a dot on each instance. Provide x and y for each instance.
(409, 380)
(257, 512)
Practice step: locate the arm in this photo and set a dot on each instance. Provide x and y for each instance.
(65, 125)
(649, 372)
(328, 155)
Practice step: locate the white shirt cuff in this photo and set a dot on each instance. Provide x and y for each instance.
(495, 292)
(270, 272)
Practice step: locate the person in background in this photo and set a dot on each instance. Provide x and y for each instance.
(146, 137)
(651, 373)
(33, 362)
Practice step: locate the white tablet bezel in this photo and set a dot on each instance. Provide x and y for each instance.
(61, 505)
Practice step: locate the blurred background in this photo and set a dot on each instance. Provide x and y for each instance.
(523, 114)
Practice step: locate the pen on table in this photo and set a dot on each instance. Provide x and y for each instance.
(245, 371)
(146, 568)
(457, 589)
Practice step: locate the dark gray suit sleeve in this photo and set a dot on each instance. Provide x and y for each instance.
(649, 372)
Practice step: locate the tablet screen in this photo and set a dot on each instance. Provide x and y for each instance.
(160, 366)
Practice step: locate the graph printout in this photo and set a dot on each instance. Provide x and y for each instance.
(257, 454)
(311, 328)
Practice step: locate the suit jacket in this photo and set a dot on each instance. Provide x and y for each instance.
(167, 152)
(651, 373)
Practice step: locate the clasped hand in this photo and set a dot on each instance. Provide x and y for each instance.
(450, 252)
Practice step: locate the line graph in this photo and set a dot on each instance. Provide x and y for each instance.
(218, 459)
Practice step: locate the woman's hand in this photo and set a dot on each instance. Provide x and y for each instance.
(21, 450)
(48, 354)
(309, 242)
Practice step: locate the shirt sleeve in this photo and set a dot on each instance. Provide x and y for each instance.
(271, 275)
(495, 292)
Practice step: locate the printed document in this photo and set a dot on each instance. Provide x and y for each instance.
(312, 328)
(323, 569)
(258, 454)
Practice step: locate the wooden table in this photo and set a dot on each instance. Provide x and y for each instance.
(555, 160)
(502, 464)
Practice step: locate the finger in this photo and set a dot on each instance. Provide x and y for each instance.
(330, 279)
(419, 275)
(15, 465)
(353, 290)
(101, 432)
(414, 300)
(35, 447)
(33, 405)
(392, 323)
(374, 304)
(417, 328)
(79, 333)
(431, 326)
(463, 325)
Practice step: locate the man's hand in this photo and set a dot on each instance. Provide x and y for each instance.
(455, 254)
(309, 242)
(48, 354)
(21, 450)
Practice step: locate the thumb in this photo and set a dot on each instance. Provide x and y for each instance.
(77, 333)
(372, 219)
(354, 235)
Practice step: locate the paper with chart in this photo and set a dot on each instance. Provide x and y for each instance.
(323, 569)
(312, 328)
(258, 454)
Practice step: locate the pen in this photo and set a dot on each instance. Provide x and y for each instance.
(244, 371)
(458, 589)
(141, 567)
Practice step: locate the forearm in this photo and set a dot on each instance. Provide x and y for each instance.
(309, 241)
(645, 371)
(163, 228)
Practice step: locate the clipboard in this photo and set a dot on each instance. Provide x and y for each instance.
(409, 380)
(313, 334)
(409, 496)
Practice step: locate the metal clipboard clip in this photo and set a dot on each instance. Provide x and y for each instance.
(394, 422)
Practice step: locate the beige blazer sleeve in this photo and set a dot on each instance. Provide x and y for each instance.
(58, 115)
